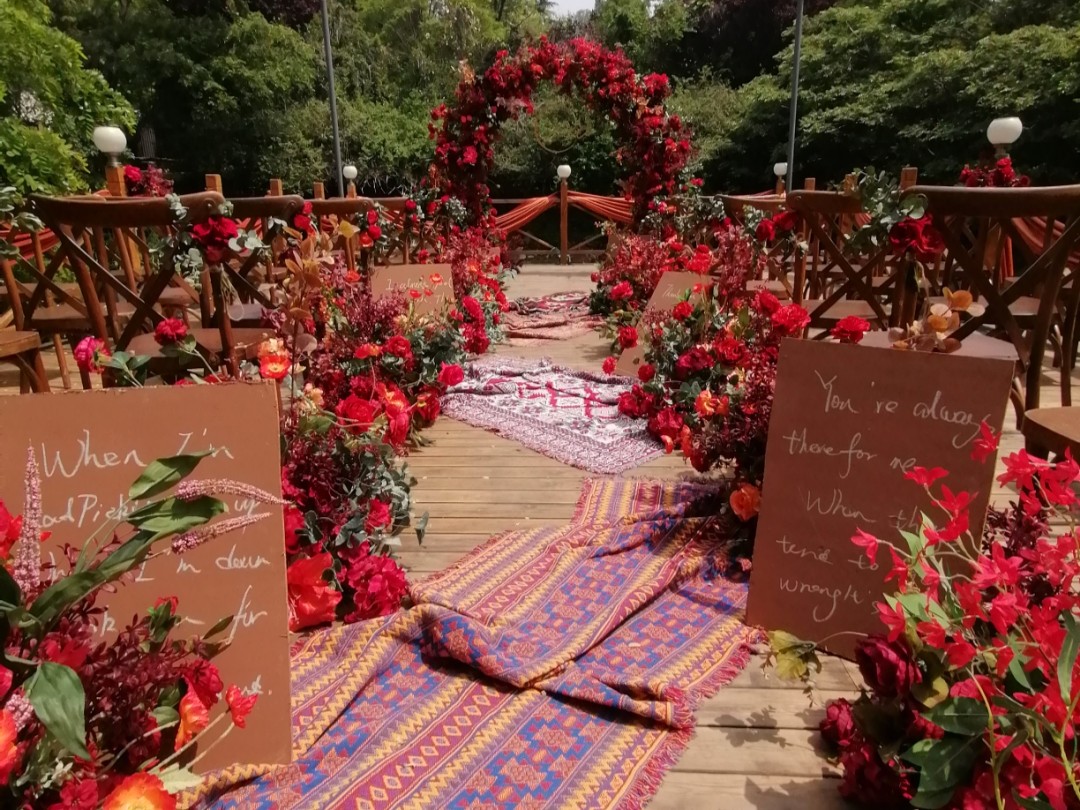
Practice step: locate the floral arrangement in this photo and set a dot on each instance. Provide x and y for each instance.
(147, 182)
(992, 173)
(654, 146)
(973, 687)
(87, 723)
(687, 215)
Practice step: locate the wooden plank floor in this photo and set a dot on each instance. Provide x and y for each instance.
(756, 744)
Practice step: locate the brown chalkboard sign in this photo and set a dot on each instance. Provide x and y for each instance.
(428, 287)
(847, 423)
(672, 288)
(91, 445)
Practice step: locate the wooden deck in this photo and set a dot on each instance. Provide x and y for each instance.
(756, 744)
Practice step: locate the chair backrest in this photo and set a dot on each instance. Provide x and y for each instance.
(105, 244)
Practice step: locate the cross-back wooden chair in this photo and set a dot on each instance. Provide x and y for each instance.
(834, 280)
(967, 218)
(23, 350)
(248, 274)
(329, 213)
(777, 277)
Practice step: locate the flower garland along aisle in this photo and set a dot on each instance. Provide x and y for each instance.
(87, 723)
(360, 379)
(972, 697)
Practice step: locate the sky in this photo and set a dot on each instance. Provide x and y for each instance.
(570, 6)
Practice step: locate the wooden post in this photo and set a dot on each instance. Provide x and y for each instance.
(351, 192)
(564, 256)
(213, 183)
(318, 191)
(779, 186)
(276, 188)
(114, 181)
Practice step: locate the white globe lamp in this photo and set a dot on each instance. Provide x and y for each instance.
(1004, 132)
(349, 172)
(563, 171)
(110, 141)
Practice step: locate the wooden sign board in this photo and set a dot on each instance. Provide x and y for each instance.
(91, 445)
(672, 288)
(428, 287)
(847, 423)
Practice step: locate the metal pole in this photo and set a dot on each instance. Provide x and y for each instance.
(339, 182)
(796, 60)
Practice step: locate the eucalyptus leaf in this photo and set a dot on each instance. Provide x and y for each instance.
(57, 695)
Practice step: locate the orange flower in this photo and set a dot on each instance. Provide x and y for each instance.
(240, 705)
(436, 279)
(9, 751)
(351, 277)
(194, 717)
(367, 350)
(708, 404)
(140, 791)
(746, 501)
(274, 366)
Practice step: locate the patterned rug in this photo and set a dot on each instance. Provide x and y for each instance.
(552, 668)
(551, 317)
(571, 416)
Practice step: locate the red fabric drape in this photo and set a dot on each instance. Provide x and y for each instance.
(524, 213)
(614, 209)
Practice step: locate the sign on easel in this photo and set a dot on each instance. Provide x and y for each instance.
(91, 445)
(847, 423)
(672, 288)
(428, 287)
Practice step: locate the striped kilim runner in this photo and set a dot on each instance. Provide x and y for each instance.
(555, 667)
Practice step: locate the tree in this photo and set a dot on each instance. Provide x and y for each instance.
(49, 103)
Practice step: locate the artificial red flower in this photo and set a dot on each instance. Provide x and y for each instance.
(213, 237)
(785, 221)
(887, 667)
(745, 501)
(645, 372)
(691, 362)
(302, 221)
(766, 302)
(893, 618)
(375, 232)
(10, 529)
(357, 413)
(790, 320)
(378, 516)
(869, 782)
(170, 330)
(377, 581)
(708, 405)
(312, 600)
(628, 337)
(682, 310)
(472, 308)
(78, 794)
(240, 705)
(838, 726)
(621, 291)
(132, 175)
(89, 351)
(203, 678)
(427, 406)
(367, 350)
(986, 445)
(274, 365)
(917, 236)
(294, 524)
(450, 374)
(194, 718)
(765, 231)
(609, 364)
(850, 329)
(9, 748)
(140, 791)
(924, 477)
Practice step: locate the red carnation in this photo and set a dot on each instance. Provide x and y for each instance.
(628, 337)
(170, 330)
(378, 517)
(850, 329)
(790, 320)
(682, 311)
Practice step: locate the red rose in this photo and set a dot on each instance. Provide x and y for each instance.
(609, 364)
(357, 414)
(628, 337)
(785, 221)
(375, 232)
(133, 175)
(765, 231)
(838, 726)
(682, 311)
(730, 350)
(646, 371)
(213, 237)
(410, 205)
(87, 354)
(790, 320)
(170, 330)
(622, 291)
(695, 360)
(917, 236)
(450, 374)
(636, 403)
(399, 346)
(869, 782)
(887, 667)
(312, 599)
(469, 156)
(378, 516)
(766, 302)
(666, 426)
(850, 329)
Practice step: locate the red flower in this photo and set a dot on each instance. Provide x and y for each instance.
(645, 372)
(785, 221)
(88, 352)
(450, 374)
(377, 580)
(628, 337)
(469, 156)
(924, 477)
(170, 330)
(240, 706)
(203, 678)
(622, 291)
(850, 329)
(367, 350)
(682, 310)
(472, 308)
(918, 236)
(838, 726)
(294, 524)
(133, 175)
(356, 413)
(790, 320)
(9, 748)
(869, 782)
(765, 231)
(693, 361)
(10, 528)
(194, 718)
(312, 600)
(274, 365)
(378, 517)
(887, 667)
(375, 232)
(609, 364)
(140, 791)
(77, 794)
(213, 237)
(427, 406)
(745, 501)
(766, 302)
(986, 444)
(867, 542)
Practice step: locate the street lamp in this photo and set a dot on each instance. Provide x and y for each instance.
(780, 170)
(1003, 133)
(563, 171)
(350, 174)
(111, 142)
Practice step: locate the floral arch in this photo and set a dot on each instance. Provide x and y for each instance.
(654, 147)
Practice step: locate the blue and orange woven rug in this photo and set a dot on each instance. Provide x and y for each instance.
(556, 668)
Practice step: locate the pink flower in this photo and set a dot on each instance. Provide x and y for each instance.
(169, 331)
(88, 352)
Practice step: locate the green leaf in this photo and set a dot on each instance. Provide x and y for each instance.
(1067, 660)
(932, 799)
(164, 474)
(63, 593)
(421, 527)
(931, 692)
(221, 626)
(57, 695)
(960, 715)
(176, 779)
(165, 715)
(944, 763)
(9, 588)
(174, 516)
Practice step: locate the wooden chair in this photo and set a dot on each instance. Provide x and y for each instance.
(967, 219)
(777, 279)
(23, 349)
(251, 275)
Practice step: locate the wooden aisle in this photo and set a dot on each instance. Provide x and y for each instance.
(756, 745)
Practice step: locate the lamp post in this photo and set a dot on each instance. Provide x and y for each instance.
(111, 142)
(333, 96)
(1003, 133)
(349, 173)
(563, 171)
(780, 170)
(793, 113)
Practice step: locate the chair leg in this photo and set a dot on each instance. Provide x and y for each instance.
(61, 359)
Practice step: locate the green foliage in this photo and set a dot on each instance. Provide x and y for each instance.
(49, 103)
